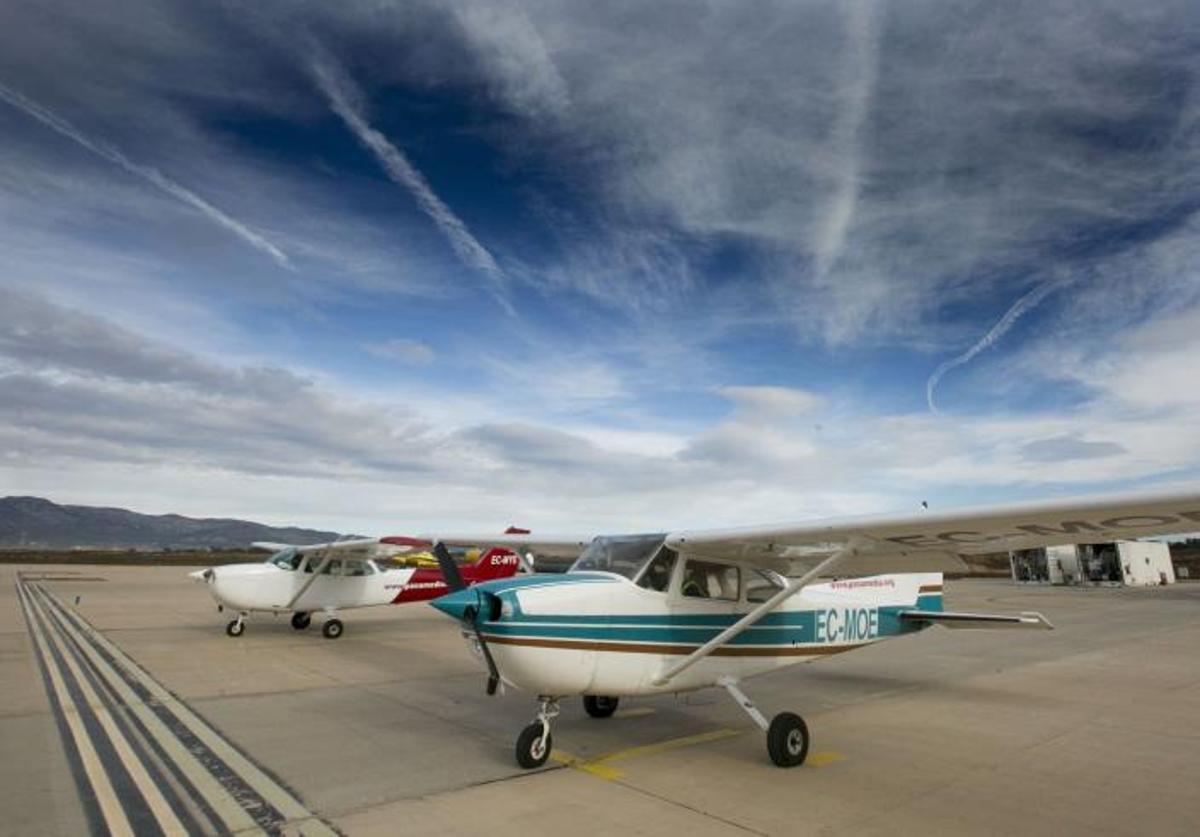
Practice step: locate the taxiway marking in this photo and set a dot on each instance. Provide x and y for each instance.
(269, 790)
(158, 805)
(823, 759)
(101, 788)
(147, 758)
(217, 799)
(636, 712)
(602, 766)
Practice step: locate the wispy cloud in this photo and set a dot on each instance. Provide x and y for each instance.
(860, 61)
(402, 349)
(344, 97)
(151, 175)
(1019, 309)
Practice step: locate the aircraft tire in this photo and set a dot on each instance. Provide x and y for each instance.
(529, 753)
(787, 740)
(235, 628)
(301, 620)
(332, 629)
(600, 706)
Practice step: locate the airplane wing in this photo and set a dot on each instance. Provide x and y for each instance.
(363, 547)
(564, 546)
(933, 540)
(904, 543)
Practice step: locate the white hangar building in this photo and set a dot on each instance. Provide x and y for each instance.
(1130, 563)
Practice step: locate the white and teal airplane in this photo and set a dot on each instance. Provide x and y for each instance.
(679, 611)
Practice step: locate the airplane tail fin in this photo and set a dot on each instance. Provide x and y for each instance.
(929, 592)
(497, 562)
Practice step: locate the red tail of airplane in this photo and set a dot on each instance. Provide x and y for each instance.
(425, 584)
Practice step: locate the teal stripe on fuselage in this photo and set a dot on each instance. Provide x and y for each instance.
(786, 630)
(505, 585)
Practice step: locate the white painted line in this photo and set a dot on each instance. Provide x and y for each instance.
(159, 806)
(264, 785)
(223, 804)
(106, 797)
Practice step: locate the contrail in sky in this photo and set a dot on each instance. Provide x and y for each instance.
(57, 123)
(343, 98)
(1019, 308)
(859, 73)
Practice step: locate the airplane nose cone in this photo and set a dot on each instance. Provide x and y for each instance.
(455, 604)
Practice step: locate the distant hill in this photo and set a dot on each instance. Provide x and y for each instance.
(33, 522)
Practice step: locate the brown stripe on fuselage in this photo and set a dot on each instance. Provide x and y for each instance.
(652, 648)
(929, 588)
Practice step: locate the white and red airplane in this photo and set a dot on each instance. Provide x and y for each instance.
(331, 577)
(686, 610)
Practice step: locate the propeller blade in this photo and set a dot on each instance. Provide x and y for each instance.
(471, 616)
(450, 573)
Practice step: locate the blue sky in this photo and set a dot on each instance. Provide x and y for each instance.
(596, 266)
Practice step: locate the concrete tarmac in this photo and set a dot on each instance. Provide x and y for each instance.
(131, 709)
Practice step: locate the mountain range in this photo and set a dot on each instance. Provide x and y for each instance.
(37, 523)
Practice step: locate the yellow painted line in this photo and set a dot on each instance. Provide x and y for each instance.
(267, 787)
(636, 712)
(822, 759)
(106, 797)
(596, 768)
(602, 766)
(159, 806)
(220, 800)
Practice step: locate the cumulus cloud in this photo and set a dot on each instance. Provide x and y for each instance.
(78, 393)
(772, 401)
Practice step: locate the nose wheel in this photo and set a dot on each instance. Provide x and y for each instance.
(236, 627)
(535, 741)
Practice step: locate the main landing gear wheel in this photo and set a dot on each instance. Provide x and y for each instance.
(235, 628)
(301, 620)
(332, 628)
(787, 739)
(600, 706)
(533, 746)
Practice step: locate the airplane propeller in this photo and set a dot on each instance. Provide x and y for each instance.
(470, 614)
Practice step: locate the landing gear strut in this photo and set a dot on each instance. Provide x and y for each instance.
(787, 734)
(534, 742)
(237, 627)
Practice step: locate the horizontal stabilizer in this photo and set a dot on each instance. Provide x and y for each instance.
(978, 620)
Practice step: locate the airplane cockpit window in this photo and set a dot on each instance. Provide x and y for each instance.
(334, 567)
(705, 580)
(762, 585)
(357, 568)
(286, 559)
(657, 575)
(623, 555)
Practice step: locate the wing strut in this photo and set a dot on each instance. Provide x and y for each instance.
(753, 616)
(309, 583)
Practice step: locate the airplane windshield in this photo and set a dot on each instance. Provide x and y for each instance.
(285, 559)
(624, 555)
